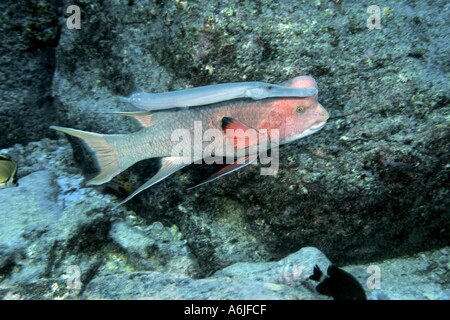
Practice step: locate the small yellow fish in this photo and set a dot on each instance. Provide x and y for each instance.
(8, 169)
(121, 184)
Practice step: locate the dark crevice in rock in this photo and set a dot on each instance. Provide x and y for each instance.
(31, 32)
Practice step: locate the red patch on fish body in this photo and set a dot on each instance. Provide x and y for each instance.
(294, 116)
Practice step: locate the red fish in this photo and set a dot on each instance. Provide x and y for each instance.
(284, 119)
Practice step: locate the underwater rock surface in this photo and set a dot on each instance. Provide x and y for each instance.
(156, 286)
(372, 184)
(53, 224)
(49, 227)
(30, 32)
(423, 276)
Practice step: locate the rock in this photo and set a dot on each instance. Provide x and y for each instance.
(423, 276)
(27, 55)
(155, 248)
(285, 279)
(292, 270)
(132, 240)
(41, 229)
(53, 224)
(220, 236)
(118, 64)
(365, 187)
(40, 289)
(29, 210)
(158, 286)
(240, 281)
(373, 184)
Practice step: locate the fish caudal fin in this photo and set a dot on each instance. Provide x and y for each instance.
(104, 154)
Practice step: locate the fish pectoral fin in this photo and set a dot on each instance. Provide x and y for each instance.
(241, 135)
(142, 117)
(239, 164)
(169, 165)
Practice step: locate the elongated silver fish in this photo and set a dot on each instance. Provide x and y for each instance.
(213, 94)
(291, 117)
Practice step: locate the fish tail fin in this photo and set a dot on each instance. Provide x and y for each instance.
(104, 153)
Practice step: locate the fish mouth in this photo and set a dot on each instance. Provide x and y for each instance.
(318, 126)
(311, 130)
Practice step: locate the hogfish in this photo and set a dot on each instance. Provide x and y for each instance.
(250, 107)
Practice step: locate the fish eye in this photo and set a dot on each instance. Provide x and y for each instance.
(300, 110)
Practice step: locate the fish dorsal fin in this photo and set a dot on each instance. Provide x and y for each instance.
(169, 165)
(240, 134)
(239, 164)
(143, 118)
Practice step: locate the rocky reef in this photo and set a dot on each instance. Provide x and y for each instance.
(30, 33)
(369, 188)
